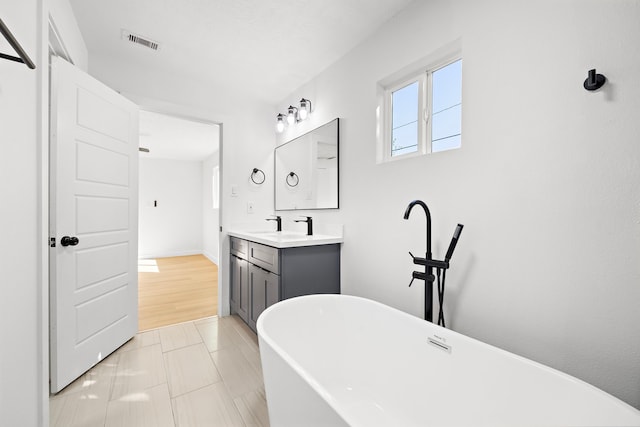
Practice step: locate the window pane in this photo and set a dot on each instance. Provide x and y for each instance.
(404, 122)
(446, 124)
(446, 144)
(405, 139)
(447, 86)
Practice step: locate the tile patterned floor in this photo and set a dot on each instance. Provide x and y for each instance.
(202, 373)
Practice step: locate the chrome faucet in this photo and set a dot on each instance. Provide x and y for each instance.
(309, 222)
(278, 220)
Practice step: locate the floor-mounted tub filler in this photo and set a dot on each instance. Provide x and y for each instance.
(337, 360)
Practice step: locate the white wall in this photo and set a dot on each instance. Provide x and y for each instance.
(174, 226)
(210, 216)
(546, 181)
(23, 370)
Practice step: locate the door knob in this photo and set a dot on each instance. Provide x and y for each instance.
(69, 241)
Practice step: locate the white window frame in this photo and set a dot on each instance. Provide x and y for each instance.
(421, 71)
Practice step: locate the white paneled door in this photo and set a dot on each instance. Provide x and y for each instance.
(94, 221)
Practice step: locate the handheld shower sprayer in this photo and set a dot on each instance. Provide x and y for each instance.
(454, 242)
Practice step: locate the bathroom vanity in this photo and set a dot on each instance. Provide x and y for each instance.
(267, 267)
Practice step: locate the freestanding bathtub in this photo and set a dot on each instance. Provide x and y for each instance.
(337, 360)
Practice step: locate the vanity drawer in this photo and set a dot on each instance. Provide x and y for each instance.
(239, 247)
(264, 256)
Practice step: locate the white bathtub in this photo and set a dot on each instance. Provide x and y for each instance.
(336, 360)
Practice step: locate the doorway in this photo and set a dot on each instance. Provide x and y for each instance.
(178, 219)
(108, 161)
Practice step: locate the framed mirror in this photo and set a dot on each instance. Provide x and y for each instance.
(307, 172)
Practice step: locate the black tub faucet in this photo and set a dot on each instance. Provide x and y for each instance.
(309, 222)
(278, 220)
(427, 276)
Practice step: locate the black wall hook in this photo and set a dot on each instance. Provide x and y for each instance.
(594, 81)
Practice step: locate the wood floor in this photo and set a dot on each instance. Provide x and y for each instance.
(177, 289)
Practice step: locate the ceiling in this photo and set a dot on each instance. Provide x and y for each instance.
(260, 48)
(169, 137)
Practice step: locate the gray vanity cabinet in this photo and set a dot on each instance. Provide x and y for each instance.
(262, 275)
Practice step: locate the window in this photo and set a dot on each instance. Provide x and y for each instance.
(422, 114)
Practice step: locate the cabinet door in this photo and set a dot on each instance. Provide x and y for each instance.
(257, 278)
(272, 289)
(239, 287)
(265, 291)
(243, 286)
(235, 283)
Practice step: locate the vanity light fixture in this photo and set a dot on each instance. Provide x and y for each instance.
(292, 115)
(305, 109)
(280, 123)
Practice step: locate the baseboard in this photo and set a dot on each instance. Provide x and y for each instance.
(212, 258)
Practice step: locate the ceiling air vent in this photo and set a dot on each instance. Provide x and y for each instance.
(135, 38)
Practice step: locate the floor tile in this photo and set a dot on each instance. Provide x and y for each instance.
(143, 339)
(148, 408)
(243, 330)
(208, 406)
(253, 408)
(217, 337)
(81, 409)
(189, 368)
(206, 320)
(237, 373)
(98, 379)
(56, 404)
(206, 372)
(180, 335)
(138, 370)
(253, 357)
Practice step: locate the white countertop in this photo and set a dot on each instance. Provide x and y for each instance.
(285, 239)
